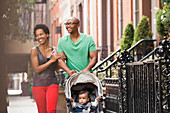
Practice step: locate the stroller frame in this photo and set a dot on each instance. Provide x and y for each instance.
(80, 81)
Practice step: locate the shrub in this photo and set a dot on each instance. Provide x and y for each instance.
(167, 22)
(142, 31)
(159, 24)
(163, 2)
(163, 20)
(127, 37)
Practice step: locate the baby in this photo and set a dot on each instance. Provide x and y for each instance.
(84, 105)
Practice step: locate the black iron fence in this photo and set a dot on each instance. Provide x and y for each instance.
(109, 67)
(137, 89)
(144, 87)
(60, 78)
(112, 98)
(143, 83)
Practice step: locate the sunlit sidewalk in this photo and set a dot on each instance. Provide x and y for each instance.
(14, 92)
(21, 104)
(24, 104)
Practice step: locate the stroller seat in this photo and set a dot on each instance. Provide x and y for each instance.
(83, 81)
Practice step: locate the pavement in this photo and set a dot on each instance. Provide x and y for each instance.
(21, 104)
(25, 104)
(14, 92)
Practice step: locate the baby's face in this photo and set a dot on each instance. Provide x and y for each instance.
(83, 98)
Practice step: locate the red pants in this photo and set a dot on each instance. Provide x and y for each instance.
(46, 98)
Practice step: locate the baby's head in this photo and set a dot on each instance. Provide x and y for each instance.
(84, 97)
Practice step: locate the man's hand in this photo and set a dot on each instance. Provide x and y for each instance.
(71, 99)
(85, 70)
(72, 72)
(98, 98)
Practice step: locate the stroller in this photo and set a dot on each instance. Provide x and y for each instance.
(83, 81)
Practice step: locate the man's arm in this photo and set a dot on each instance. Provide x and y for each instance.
(61, 61)
(62, 64)
(96, 102)
(93, 60)
(63, 56)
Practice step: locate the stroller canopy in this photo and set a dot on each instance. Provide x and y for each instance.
(82, 77)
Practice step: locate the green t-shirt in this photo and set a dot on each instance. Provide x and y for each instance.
(77, 53)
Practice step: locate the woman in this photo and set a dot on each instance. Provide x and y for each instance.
(45, 87)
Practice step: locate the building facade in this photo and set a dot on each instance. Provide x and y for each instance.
(105, 20)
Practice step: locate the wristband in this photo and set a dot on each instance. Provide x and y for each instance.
(53, 52)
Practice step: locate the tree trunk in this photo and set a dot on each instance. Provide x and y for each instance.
(3, 80)
(3, 74)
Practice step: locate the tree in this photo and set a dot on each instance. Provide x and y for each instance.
(11, 17)
(127, 38)
(11, 11)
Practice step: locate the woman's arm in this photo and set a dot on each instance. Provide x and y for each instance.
(35, 63)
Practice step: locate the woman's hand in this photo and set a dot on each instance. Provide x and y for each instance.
(55, 57)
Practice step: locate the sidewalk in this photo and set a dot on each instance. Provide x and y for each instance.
(21, 104)
(24, 104)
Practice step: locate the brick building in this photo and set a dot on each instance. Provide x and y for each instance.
(105, 20)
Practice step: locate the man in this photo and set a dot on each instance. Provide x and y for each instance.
(79, 48)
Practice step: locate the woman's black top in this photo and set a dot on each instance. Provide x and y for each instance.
(46, 77)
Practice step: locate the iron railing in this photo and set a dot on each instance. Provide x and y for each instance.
(137, 89)
(60, 78)
(145, 85)
(106, 62)
(112, 101)
(108, 68)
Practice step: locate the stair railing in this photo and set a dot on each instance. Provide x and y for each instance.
(153, 73)
(109, 69)
(106, 61)
(158, 50)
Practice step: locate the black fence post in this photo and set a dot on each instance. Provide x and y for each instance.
(164, 76)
